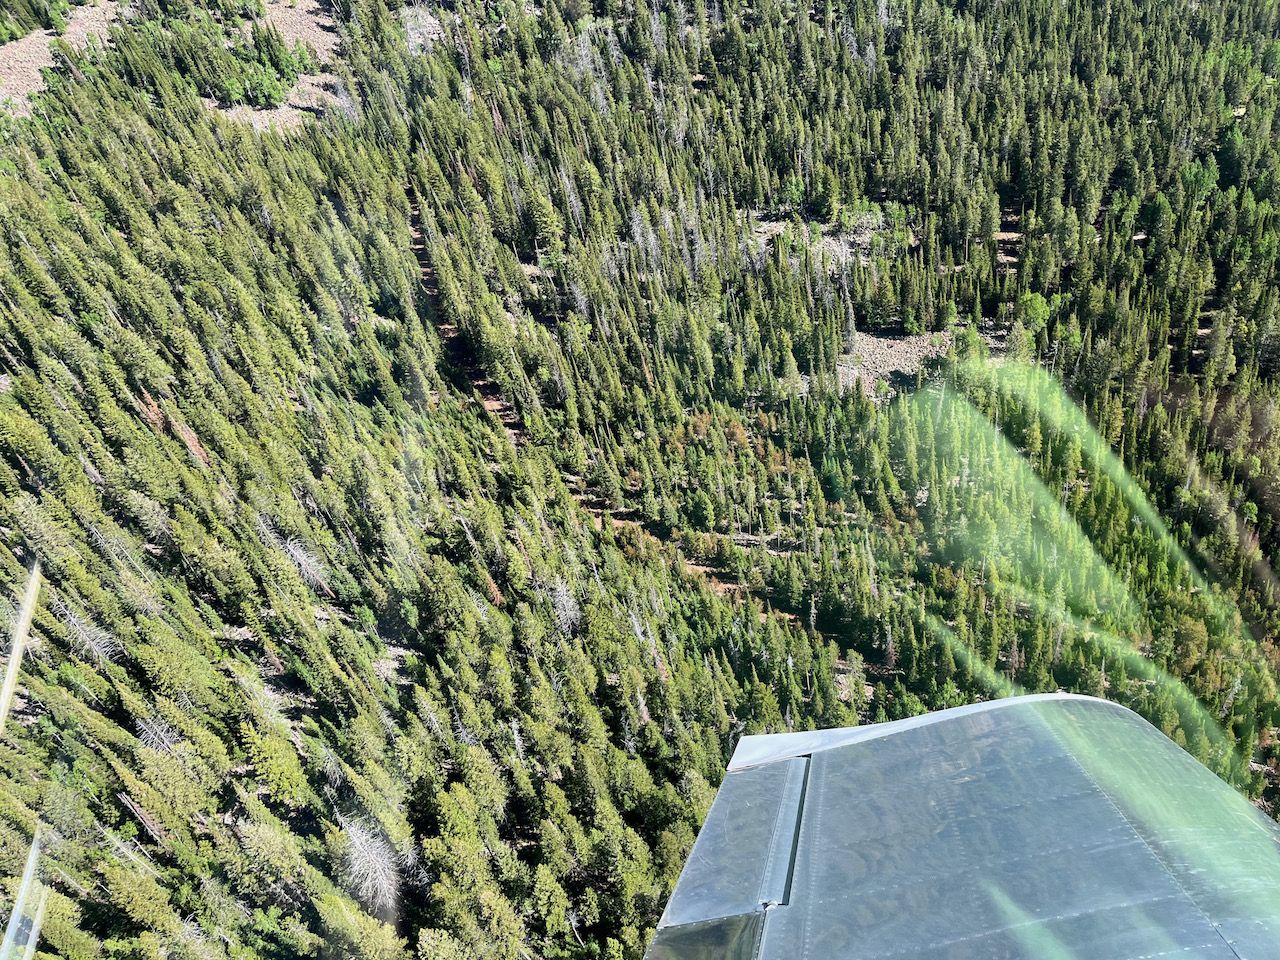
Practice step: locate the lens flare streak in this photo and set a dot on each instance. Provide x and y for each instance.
(21, 626)
(14, 929)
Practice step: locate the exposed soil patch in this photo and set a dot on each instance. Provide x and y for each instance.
(714, 580)
(1009, 239)
(311, 23)
(894, 359)
(422, 28)
(311, 96)
(765, 230)
(864, 236)
(22, 60)
(87, 22)
(307, 21)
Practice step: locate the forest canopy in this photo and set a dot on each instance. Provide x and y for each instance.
(427, 497)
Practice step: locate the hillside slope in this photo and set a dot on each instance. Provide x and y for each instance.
(430, 492)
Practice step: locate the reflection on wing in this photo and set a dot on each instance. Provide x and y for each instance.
(1033, 827)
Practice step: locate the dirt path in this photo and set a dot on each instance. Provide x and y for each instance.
(1009, 239)
(469, 375)
(458, 353)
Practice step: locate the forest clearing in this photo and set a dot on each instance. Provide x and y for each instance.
(23, 60)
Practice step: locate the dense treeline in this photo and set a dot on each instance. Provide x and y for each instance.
(333, 662)
(624, 306)
(20, 17)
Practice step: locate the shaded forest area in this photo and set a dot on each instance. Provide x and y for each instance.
(430, 496)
